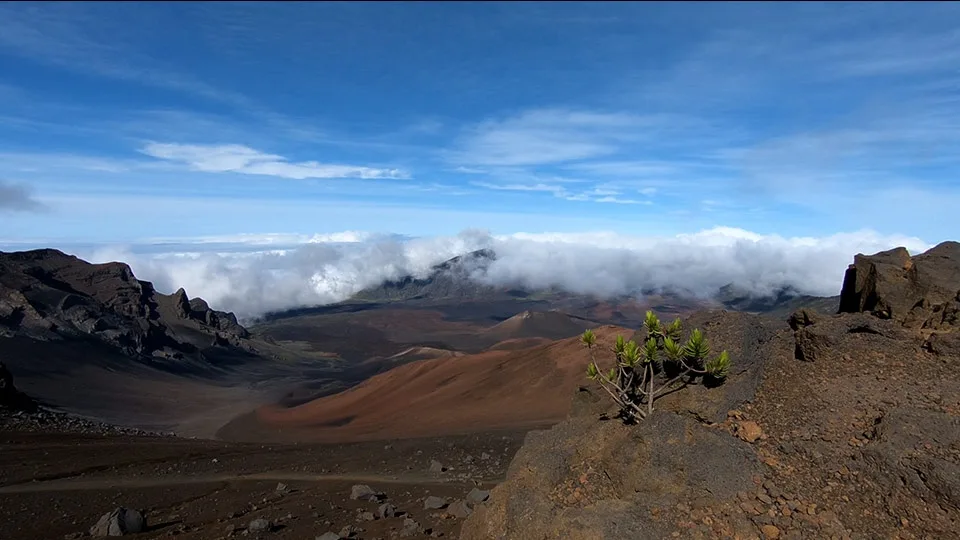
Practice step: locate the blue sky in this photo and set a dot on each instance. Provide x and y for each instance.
(121, 122)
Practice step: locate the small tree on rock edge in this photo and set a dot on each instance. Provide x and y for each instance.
(644, 372)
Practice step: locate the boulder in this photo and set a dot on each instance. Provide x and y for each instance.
(477, 496)
(587, 479)
(386, 510)
(914, 291)
(459, 509)
(329, 536)
(260, 525)
(436, 466)
(810, 342)
(434, 503)
(362, 492)
(119, 522)
(410, 528)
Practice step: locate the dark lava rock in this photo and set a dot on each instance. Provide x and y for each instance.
(48, 295)
(119, 522)
(811, 342)
(555, 485)
(912, 447)
(745, 337)
(260, 525)
(918, 292)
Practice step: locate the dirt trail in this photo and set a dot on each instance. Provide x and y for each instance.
(118, 483)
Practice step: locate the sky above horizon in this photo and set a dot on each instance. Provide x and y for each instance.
(150, 123)
(124, 121)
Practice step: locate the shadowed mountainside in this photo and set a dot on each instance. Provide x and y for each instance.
(94, 340)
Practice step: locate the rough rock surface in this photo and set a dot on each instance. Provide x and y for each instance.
(831, 426)
(119, 522)
(586, 478)
(48, 295)
(919, 292)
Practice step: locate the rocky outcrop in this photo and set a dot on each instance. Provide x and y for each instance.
(586, 479)
(48, 295)
(918, 292)
(858, 438)
(590, 478)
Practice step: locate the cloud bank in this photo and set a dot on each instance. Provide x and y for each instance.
(331, 268)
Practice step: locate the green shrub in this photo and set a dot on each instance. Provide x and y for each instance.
(644, 372)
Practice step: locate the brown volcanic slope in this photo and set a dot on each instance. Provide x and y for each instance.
(538, 324)
(492, 390)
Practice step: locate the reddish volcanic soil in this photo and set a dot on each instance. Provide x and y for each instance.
(56, 486)
(498, 389)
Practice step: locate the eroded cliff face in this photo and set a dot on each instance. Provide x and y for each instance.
(830, 426)
(919, 292)
(48, 295)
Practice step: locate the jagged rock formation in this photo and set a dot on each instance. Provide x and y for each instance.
(918, 292)
(48, 295)
(830, 426)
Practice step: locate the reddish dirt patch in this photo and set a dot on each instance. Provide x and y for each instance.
(491, 390)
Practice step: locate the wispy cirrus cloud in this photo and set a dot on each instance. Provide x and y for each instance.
(598, 195)
(235, 158)
(549, 136)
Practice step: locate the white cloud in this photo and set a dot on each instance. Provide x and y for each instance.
(602, 263)
(245, 160)
(559, 191)
(598, 194)
(617, 200)
(550, 136)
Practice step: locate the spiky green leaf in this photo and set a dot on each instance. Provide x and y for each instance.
(592, 371)
(675, 329)
(631, 354)
(650, 351)
(613, 374)
(719, 367)
(696, 348)
(618, 347)
(672, 349)
(652, 323)
(588, 338)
